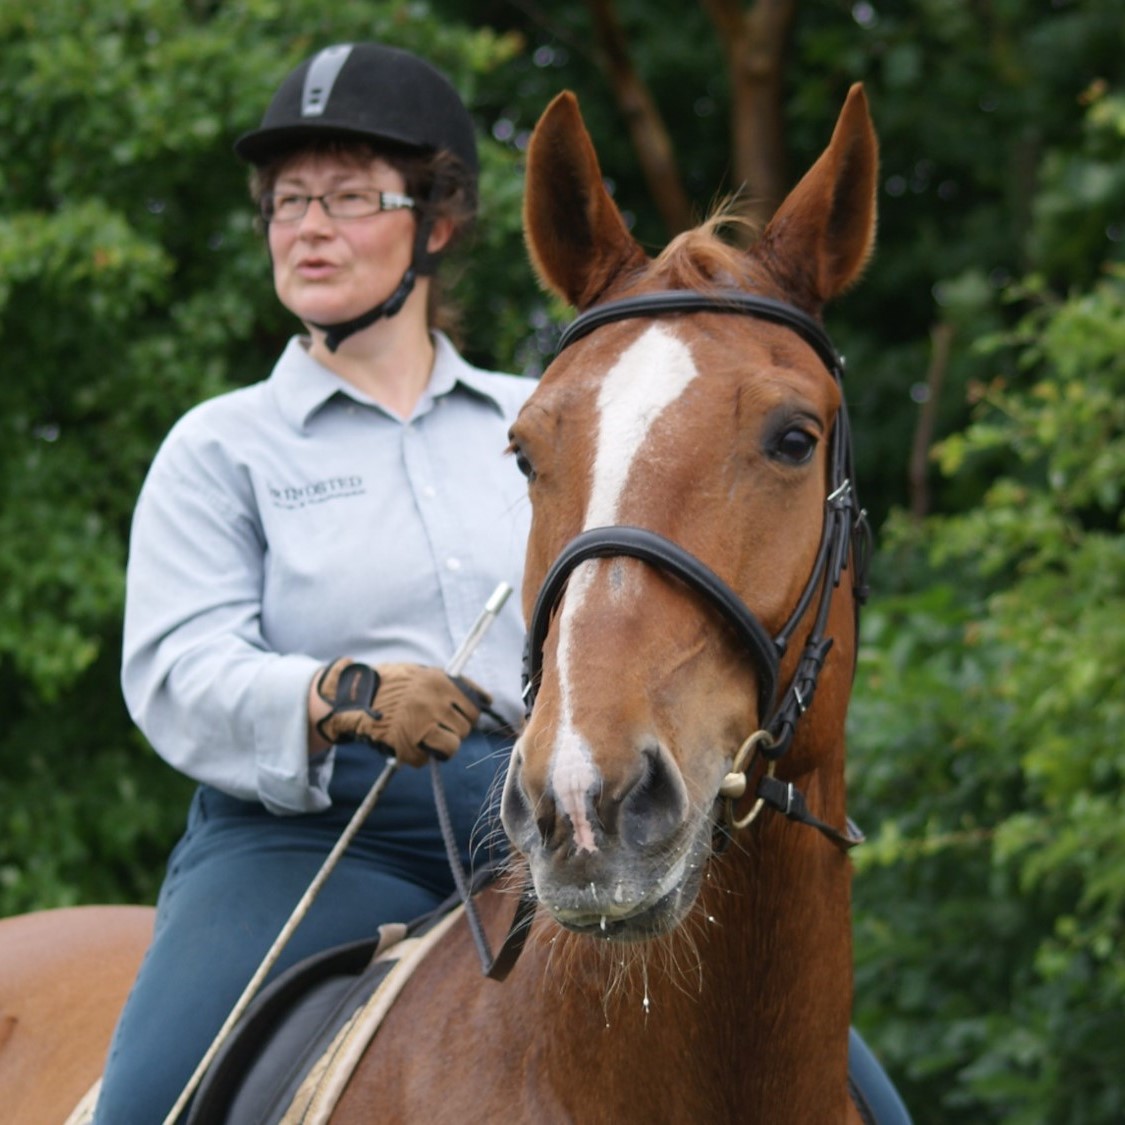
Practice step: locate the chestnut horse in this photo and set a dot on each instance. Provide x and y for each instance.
(687, 463)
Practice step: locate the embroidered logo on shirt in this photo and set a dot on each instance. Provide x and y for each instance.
(318, 492)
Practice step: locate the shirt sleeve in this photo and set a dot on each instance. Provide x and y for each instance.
(198, 678)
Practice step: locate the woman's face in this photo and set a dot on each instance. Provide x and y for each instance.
(329, 270)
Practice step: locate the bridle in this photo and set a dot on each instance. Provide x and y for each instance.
(845, 533)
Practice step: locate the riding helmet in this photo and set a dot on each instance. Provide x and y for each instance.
(367, 91)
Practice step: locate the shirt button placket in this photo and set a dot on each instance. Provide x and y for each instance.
(440, 525)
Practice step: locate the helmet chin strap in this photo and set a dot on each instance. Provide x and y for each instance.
(336, 334)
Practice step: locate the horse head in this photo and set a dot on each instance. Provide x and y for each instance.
(692, 511)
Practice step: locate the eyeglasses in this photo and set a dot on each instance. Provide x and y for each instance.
(290, 206)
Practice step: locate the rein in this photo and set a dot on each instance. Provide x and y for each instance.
(845, 533)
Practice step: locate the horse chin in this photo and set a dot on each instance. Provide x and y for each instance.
(653, 921)
(625, 898)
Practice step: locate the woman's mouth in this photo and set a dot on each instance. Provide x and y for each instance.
(314, 269)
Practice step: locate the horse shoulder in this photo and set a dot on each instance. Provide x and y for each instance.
(64, 975)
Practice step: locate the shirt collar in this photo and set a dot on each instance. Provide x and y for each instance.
(302, 386)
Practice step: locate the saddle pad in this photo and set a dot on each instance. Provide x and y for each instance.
(325, 1082)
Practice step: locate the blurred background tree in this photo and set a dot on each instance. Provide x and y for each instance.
(986, 354)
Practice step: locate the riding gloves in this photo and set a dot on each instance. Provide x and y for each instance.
(408, 710)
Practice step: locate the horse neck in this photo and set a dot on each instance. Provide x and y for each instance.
(754, 994)
(779, 955)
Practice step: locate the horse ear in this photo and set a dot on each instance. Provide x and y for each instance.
(823, 233)
(575, 234)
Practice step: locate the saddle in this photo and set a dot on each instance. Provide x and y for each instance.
(292, 1053)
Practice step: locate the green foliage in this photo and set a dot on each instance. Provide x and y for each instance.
(1080, 197)
(89, 814)
(987, 734)
(980, 114)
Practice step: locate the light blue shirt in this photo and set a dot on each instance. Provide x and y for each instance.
(294, 521)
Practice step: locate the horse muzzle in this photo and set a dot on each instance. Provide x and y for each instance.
(619, 860)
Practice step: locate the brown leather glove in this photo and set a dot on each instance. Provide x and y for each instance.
(408, 710)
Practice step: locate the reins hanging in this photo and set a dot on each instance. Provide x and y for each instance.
(495, 967)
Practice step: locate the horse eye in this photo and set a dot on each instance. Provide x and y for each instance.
(795, 446)
(523, 463)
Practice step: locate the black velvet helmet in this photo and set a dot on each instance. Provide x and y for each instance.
(365, 91)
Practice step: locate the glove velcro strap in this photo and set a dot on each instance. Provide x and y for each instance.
(349, 688)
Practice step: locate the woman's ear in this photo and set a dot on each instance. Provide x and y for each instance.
(440, 234)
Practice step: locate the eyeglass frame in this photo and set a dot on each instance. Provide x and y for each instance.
(388, 201)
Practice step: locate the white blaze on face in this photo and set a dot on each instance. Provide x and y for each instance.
(651, 374)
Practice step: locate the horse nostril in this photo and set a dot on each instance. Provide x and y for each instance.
(654, 808)
(646, 816)
(546, 821)
(515, 811)
(531, 821)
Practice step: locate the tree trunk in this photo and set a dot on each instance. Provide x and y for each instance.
(756, 41)
(646, 128)
(941, 338)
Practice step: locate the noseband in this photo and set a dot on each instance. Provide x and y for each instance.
(845, 532)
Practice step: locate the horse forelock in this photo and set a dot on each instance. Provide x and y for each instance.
(707, 259)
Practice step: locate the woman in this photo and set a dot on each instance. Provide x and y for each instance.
(341, 523)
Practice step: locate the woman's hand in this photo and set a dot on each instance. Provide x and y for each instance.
(408, 710)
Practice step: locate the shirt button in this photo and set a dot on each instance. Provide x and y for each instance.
(452, 564)
(429, 491)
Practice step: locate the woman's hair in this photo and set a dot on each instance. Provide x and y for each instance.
(440, 184)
